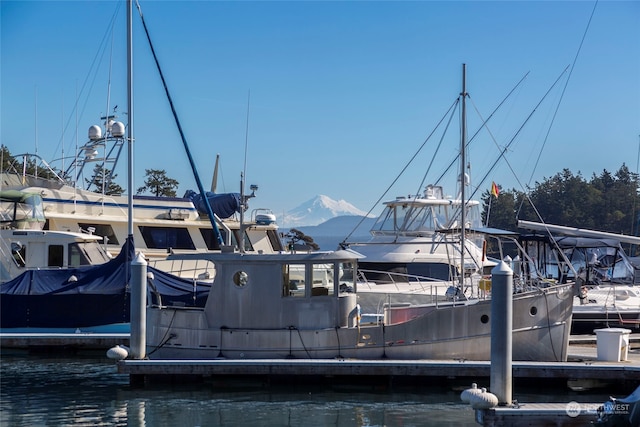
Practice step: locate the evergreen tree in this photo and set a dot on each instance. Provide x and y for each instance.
(158, 183)
(103, 176)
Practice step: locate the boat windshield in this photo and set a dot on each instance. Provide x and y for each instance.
(420, 218)
(601, 264)
(19, 210)
(86, 253)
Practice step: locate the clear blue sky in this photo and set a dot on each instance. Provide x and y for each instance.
(341, 93)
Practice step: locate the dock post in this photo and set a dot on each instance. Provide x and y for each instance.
(501, 330)
(138, 340)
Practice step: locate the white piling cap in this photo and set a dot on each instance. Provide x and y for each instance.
(139, 260)
(502, 269)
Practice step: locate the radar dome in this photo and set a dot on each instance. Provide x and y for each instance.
(117, 129)
(95, 133)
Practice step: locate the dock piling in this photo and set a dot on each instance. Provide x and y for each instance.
(501, 330)
(138, 341)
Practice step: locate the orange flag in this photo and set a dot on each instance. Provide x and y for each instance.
(494, 190)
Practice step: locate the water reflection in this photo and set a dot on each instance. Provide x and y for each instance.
(40, 391)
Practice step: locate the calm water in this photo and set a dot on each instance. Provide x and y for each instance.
(46, 391)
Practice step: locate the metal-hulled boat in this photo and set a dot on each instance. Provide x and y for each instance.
(258, 307)
(306, 306)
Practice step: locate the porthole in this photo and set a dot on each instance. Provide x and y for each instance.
(533, 311)
(240, 278)
(484, 318)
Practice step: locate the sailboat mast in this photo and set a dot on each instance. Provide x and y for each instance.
(463, 144)
(130, 115)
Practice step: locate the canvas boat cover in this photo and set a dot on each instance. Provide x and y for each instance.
(224, 205)
(99, 296)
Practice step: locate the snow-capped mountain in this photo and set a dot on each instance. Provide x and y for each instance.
(316, 211)
(329, 234)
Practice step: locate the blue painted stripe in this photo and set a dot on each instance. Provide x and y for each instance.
(116, 205)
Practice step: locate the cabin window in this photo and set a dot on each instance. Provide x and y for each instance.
(322, 279)
(211, 240)
(87, 253)
(56, 256)
(276, 243)
(294, 280)
(346, 277)
(432, 270)
(104, 230)
(248, 247)
(166, 238)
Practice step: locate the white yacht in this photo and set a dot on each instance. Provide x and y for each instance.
(162, 224)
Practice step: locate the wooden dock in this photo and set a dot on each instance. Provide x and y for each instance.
(586, 370)
(568, 414)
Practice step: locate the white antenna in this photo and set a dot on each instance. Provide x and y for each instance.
(246, 135)
(243, 178)
(62, 128)
(75, 157)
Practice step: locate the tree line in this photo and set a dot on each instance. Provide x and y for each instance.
(607, 202)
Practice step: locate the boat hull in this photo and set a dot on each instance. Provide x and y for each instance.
(446, 331)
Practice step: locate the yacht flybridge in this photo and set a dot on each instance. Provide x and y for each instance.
(162, 224)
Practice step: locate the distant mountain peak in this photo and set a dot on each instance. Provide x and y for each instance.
(318, 210)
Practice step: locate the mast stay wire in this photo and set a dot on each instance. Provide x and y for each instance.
(402, 171)
(573, 64)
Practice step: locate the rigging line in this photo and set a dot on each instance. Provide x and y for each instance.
(104, 163)
(513, 138)
(495, 110)
(634, 226)
(564, 89)
(93, 66)
(342, 244)
(409, 218)
(433, 158)
(210, 213)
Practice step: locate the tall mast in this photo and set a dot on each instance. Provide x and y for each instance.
(463, 144)
(130, 115)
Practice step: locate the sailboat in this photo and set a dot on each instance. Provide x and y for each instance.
(306, 306)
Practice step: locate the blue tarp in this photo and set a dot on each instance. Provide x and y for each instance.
(224, 205)
(99, 296)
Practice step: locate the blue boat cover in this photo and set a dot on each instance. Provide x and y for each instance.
(224, 205)
(99, 296)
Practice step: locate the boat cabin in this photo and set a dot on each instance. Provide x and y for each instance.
(25, 246)
(305, 291)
